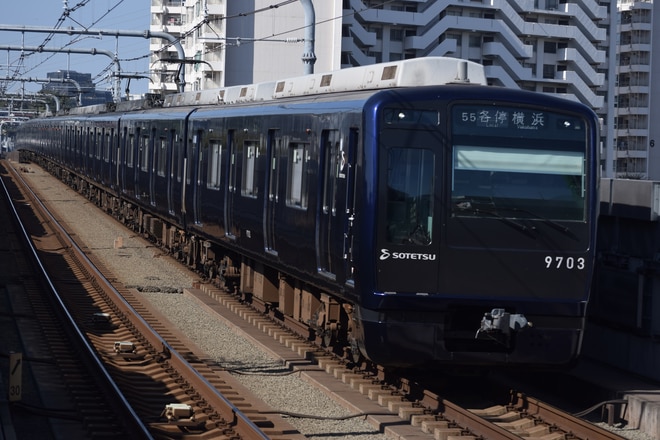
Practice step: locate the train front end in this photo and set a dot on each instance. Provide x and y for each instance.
(478, 227)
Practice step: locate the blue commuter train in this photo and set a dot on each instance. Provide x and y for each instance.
(405, 212)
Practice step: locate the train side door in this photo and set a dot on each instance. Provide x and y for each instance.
(170, 167)
(349, 199)
(329, 231)
(408, 238)
(230, 187)
(272, 179)
(191, 191)
(154, 146)
(198, 179)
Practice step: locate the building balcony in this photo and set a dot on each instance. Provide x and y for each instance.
(576, 83)
(639, 111)
(631, 154)
(628, 132)
(507, 61)
(633, 68)
(589, 7)
(358, 32)
(633, 49)
(349, 46)
(586, 70)
(633, 89)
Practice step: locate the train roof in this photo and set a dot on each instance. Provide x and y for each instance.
(415, 72)
(407, 73)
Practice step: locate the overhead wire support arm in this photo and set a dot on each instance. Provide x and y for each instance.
(104, 32)
(92, 51)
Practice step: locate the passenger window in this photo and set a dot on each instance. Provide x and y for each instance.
(249, 187)
(144, 153)
(108, 146)
(215, 161)
(297, 175)
(130, 152)
(161, 156)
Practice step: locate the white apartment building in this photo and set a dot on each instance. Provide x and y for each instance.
(233, 42)
(566, 47)
(636, 104)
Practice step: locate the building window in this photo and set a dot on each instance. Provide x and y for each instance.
(548, 71)
(396, 35)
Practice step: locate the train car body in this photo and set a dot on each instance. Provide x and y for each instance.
(418, 224)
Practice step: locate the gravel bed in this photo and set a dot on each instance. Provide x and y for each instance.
(140, 265)
(161, 281)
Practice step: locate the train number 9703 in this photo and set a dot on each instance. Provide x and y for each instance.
(570, 263)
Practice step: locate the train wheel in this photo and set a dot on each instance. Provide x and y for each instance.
(329, 336)
(353, 352)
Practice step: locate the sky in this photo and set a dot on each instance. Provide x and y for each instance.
(130, 15)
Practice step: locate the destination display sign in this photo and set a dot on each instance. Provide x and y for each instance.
(494, 120)
(503, 118)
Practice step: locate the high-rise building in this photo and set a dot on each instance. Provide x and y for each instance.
(636, 102)
(77, 87)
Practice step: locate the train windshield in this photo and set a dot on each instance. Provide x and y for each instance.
(410, 182)
(517, 163)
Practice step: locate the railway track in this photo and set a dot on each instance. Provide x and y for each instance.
(170, 391)
(409, 400)
(60, 390)
(420, 411)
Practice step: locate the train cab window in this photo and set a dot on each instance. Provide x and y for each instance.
(518, 163)
(249, 185)
(215, 160)
(514, 182)
(410, 194)
(296, 194)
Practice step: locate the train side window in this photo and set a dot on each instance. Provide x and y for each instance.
(131, 150)
(296, 195)
(251, 154)
(144, 153)
(215, 170)
(177, 156)
(190, 145)
(93, 147)
(108, 142)
(101, 143)
(161, 156)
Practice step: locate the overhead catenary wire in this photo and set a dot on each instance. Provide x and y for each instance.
(104, 76)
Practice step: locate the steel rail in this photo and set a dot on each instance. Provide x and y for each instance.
(232, 414)
(564, 421)
(136, 423)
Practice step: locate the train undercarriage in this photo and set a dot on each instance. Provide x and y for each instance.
(310, 312)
